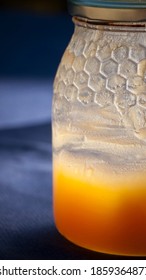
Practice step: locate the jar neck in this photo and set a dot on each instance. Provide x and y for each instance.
(110, 25)
(110, 10)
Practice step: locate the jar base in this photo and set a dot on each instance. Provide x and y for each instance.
(100, 251)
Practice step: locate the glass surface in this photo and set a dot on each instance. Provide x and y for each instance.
(108, 3)
(99, 140)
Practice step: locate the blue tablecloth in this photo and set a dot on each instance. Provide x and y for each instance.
(27, 229)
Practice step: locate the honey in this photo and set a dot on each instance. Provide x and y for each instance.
(101, 211)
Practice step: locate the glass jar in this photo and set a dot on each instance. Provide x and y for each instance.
(99, 137)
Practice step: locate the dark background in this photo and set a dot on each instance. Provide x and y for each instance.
(40, 6)
(33, 37)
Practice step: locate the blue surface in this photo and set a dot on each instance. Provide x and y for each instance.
(27, 229)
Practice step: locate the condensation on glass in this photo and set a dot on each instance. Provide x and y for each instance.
(99, 138)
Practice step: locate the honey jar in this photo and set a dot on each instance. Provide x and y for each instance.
(99, 129)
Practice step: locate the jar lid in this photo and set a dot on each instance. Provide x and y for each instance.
(114, 10)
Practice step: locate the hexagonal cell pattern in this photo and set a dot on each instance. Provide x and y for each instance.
(120, 53)
(92, 65)
(124, 101)
(137, 116)
(103, 52)
(86, 96)
(61, 87)
(104, 98)
(142, 40)
(115, 82)
(79, 46)
(78, 64)
(128, 69)
(81, 80)
(109, 68)
(136, 85)
(97, 83)
(141, 71)
(142, 100)
(68, 57)
(71, 93)
(90, 49)
(61, 73)
(137, 53)
(106, 70)
(69, 77)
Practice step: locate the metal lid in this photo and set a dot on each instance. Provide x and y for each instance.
(114, 10)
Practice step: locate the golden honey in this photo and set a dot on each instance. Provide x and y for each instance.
(103, 213)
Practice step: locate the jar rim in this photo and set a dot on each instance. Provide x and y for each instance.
(109, 10)
(110, 26)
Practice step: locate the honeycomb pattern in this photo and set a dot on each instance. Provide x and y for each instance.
(86, 96)
(97, 83)
(69, 77)
(142, 100)
(128, 69)
(104, 98)
(120, 54)
(92, 65)
(71, 93)
(116, 82)
(109, 68)
(78, 63)
(137, 54)
(90, 50)
(103, 52)
(81, 80)
(103, 69)
(124, 101)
